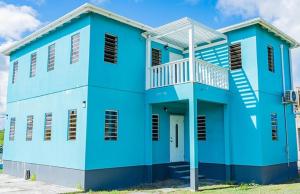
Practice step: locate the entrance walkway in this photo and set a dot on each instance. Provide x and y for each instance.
(9, 185)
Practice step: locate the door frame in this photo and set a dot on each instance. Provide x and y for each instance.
(177, 154)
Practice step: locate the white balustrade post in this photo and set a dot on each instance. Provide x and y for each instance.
(191, 54)
(148, 62)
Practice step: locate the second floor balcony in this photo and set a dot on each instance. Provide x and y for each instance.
(178, 72)
(185, 35)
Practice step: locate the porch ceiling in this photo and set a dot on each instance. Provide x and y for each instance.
(177, 33)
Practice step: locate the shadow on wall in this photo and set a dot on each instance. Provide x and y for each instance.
(243, 87)
(217, 55)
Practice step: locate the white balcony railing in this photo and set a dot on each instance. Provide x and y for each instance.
(177, 72)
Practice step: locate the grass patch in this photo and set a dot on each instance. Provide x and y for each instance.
(1, 171)
(292, 187)
(1, 137)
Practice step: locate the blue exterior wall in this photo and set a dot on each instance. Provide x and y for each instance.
(270, 90)
(56, 91)
(244, 102)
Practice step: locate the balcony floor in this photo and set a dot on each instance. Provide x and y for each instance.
(185, 91)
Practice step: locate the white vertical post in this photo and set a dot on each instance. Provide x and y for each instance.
(191, 53)
(148, 62)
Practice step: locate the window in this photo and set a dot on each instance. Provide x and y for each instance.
(15, 71)
(155, 127)
(12, 129)
(156, 57)
(111, 49)
(274, 124)
(51, 57)
(271, 59)
(48, 126)
(75, 43)
(201, 127)
(29, 128)
(235, 54)
(111, 125)
(72, 124)
(32, 65)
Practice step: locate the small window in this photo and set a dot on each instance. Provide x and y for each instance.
(201, 127)
(155, 127)
(72, 124)
(32, 65)
(15, 71)
(29, 128)
(271, 59)
(156, 57)
(12, 129)
(75, 45)
(48, 126)
(274, 124)
(51, 57)
(111, 49)
(111, 125)
(235, 56)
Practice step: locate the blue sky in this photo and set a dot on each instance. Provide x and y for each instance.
(151, 12)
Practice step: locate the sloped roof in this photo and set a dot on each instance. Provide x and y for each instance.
(264, 24)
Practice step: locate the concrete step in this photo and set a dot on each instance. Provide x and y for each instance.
(188, 177)
(180, 173)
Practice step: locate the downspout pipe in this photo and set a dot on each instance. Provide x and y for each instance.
(284, 109)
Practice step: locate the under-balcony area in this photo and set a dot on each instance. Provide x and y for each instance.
(184, 74)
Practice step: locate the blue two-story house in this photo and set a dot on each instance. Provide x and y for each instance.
(100, 101)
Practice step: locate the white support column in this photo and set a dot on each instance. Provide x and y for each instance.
(193, 113)
(227, 144)
(148, 62)
(192, 54)
(148, 142)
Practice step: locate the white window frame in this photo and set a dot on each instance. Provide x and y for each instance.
(153, 134)
(33, 60)
(72, 137)
(48, 126)
(201, 132)
(15, 71)
(75, 48)
(29, 127)
(51, 57)
(108, 132)
(12, 128)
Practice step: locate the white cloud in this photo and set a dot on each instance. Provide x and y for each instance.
(15, 21)
(281, 13)
(37, 2)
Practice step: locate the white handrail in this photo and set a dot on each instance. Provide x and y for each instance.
(177, 72)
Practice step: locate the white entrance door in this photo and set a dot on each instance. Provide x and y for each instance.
(176, 138)
(175, 56)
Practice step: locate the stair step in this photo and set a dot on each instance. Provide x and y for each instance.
(188, 177)
(180, 166)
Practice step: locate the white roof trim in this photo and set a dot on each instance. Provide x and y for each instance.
(85, 8)
(264, 24)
